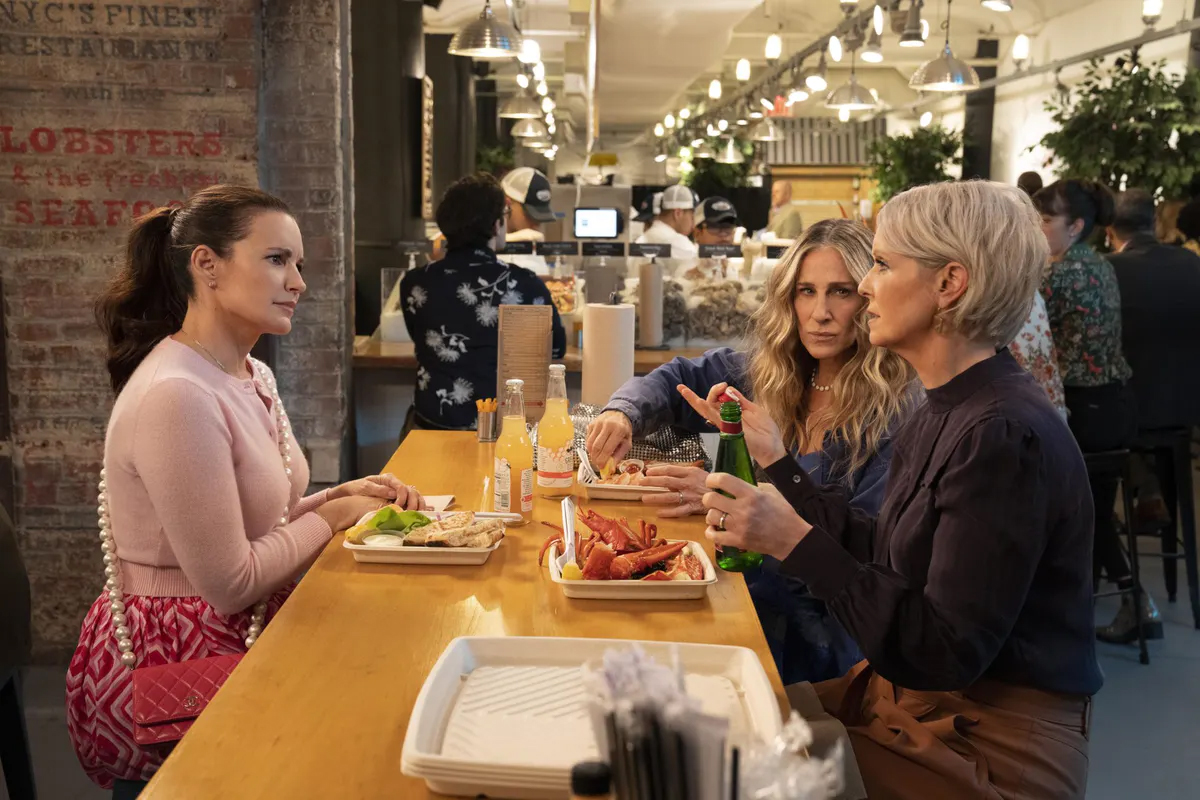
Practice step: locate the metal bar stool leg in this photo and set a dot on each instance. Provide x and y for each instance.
(1168, 481)
(1187, 519)
(1131, 534)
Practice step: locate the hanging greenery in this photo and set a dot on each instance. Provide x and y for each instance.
(494, 159)
(1128, 126)
(709, 178)
(905, 160)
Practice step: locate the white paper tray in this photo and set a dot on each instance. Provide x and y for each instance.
(636, 590)
(604, 491)
(433, 556)
(461, 556)
(515, 729)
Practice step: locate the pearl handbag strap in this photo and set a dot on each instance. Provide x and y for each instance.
(112, 575)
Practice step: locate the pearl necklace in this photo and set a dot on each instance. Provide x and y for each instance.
(108, 547)
(812, 381)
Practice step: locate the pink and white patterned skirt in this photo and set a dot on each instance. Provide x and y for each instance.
(165, 630)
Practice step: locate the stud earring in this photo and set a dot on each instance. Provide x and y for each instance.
(212, 284)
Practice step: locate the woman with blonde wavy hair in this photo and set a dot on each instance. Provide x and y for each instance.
(833, 397)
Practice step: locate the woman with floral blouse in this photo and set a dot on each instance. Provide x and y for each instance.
(1083, 302)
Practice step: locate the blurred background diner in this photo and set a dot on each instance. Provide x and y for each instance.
(677, 202)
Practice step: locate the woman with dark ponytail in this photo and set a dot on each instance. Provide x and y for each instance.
(202, 521)
(1084, 304)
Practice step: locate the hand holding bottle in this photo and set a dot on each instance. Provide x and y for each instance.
(762, 434)
(755, 518)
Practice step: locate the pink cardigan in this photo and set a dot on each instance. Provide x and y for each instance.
(196, 486)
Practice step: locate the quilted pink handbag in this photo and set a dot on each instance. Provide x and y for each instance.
(168, 698)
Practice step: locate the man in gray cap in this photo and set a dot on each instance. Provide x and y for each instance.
(675, 222)
(527, 194)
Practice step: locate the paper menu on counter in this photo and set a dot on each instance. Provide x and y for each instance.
(523, 351)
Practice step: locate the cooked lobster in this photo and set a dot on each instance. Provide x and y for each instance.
(615, 551)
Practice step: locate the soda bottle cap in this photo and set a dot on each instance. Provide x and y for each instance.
(514, 383)
(726, 398)
(558, 368)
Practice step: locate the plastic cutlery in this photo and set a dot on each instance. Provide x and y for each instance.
(568, 524)
(586, 473)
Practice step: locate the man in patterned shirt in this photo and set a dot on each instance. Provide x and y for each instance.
(452, 306)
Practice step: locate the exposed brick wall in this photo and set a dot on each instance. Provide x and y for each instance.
(107, 110)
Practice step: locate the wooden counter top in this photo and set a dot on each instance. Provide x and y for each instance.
(370, 353)
(319, 707)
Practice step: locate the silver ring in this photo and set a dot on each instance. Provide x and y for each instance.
(721, 524)
(680, 497)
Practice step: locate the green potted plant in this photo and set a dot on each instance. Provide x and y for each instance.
(1128, 126)
(494, 159)
(708, 177)
(904, 160)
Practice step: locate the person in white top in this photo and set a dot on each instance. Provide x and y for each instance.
(527, 193)
(675, 223)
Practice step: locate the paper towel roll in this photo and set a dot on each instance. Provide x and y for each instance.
(650, 298)
(607, 350)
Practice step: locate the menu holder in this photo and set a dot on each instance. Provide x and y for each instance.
(616, 249)
(523, 350)
(776, 251)
(557, 248)
(648, 250)
(720, 251)
(516, 249)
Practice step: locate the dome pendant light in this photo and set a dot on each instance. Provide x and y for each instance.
(486, 38)
(997, 5)
(520, 106)
(714, 89)
(817, 81)
(946, 73)
(851, 95)
(730, 153)
(873, 51)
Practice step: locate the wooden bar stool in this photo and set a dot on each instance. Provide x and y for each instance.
(1171, 450)
(1115, 463)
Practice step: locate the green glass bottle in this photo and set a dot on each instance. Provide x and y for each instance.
(733, 457)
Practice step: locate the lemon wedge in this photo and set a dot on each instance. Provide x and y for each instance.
(571, 572)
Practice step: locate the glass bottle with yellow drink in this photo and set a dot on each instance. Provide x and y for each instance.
(556, 439)
(513, 474)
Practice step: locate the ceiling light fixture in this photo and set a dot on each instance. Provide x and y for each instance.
(877, 18)
(816, 81)
(530, 129)
(660, 158)
(835, 48)
(851, 95)
(756, 115)
(531, 52)
(1151, 12)
(872, 52)
(669, 121)
(685, 112)
(844, 114)
(1020, 50)
(548, 104)
(520, 106)
(697, 142)
(742, 70)
(911, 37)
(997, 5)
(730, 153)
(926, 118)
(774, 47)
(796, 96)
(766, 131)
(848, 6)
(714, 90)
(722, 124)
(946, 73)
(703, 151)
(767, 104)
(486, 38)
(522, 80)
(543, 89)
(539, 71)
(659, 130)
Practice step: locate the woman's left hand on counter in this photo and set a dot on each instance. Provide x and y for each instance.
(755, 518)
(685, 486)
(386, 487)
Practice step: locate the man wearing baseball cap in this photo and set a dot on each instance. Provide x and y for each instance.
(527, 193)
(674, 223)
(716, 221)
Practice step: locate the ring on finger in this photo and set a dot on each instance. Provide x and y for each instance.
(681, 498)
(724, 516)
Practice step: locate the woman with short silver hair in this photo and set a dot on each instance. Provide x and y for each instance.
(970, 593)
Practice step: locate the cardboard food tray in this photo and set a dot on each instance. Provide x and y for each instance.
(636, 590)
